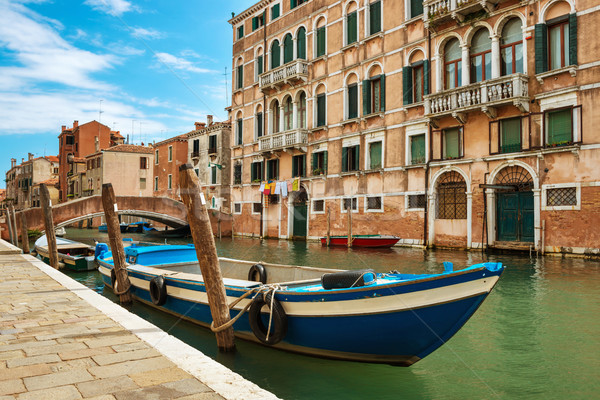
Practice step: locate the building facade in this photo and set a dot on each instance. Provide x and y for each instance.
(448, 123)
(209, 152)
(22, 178)
(169, 155)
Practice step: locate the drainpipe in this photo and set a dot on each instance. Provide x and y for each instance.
(426, 212)
(264, 120)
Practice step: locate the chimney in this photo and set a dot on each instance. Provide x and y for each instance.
(64, 128)
(96, 144)
(22, 160)
(209, 120)
(199, 125)
(29, 156)
(13, 162)
(75, 124)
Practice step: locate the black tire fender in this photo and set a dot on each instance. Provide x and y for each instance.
(278, 324)
(260, 270)
(158, 290)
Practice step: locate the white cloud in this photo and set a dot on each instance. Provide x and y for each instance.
(178, 63)
(112, 7)
(143, 33)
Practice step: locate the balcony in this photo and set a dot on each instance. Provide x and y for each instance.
(295, 138)
(195, 155)
(436, 12)
(291, 72)
(482, 96)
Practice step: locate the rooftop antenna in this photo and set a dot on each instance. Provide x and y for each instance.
(100, 112)
(226, 91)
(132, 137)
(141, 132)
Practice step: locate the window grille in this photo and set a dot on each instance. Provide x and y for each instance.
(561, 197)
(256, 208)
(416, 201)
(318, 205)
(452, 197)
(374, 203)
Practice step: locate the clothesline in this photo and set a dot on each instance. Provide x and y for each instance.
(280, 187)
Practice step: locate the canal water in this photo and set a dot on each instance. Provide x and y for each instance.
(537, 336)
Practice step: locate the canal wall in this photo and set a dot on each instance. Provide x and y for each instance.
(60, 339)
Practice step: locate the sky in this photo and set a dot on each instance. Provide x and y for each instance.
(147, 68)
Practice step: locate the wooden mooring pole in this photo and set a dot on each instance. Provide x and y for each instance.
(328, 226)
(14, 222)
(350, 225)
(49, 225)
(109, 203)
(24, 235)
(206, 252)
(9, 224)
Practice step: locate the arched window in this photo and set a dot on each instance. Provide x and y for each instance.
(452, 64)
(275, 54)
(452, 196)
(239, 131)
(352, 97)
(351, 24)
(288, 48)
(481, 56)
(320, 107)
(511, 47)
(301, 43)
(258, 64)
(302, 111)
(239, 72)
(275, 116)
(288, 114)
(321, 38)
(258, 120)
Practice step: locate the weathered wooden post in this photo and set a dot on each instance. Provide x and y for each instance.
(206, 252)
(109, 203)
(24, 236)
(232, 222)
(14, 222)
(328, 226)
(9, 224)
(349, 210)
(49, 225)
(219, 225)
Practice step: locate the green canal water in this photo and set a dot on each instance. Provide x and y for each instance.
(537, 336)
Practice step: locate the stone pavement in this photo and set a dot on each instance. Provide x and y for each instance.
(61, 340)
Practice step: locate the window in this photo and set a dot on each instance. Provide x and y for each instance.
(156, 183)
(318, 206)
(511, 47)
(418, 83)
(559, 127)
(258, 21)
(302, 111)
(353, 101)
(566, 196)
(275, 12)
(319, 163)
(452, 197)
(288, 48)
(352, 27)
(452, 143)
(510, 135)
(197, 171)
(275, 116)
(416, 201)
(321, 41)
(452, 65)
(350, 158)
(240, 32)
(170, 153)
(417, 149)
(239, 82)
(416, 8)
(156, 157)
(237, 174)
(196, 148)
(143, 162)
(259, 65)
(301, 43)
(256, 171)
(374, 95)
(142, 183)
(299, 165)
(375, 17)
(321, 109)
(213, 175)
(415, 82)
(69, 139)
(296, 3)
(288, 114)
(556, 43)
(259, 124)
(375, 155)
(348, 202)
(212, 144)
(256, 208)
(273, 199)
(239, 132)
(481, 56)
(273, 169)
(275, 54)
(374, 203)
(170, 182)
(237, 208)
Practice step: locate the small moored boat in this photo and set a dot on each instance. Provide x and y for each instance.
(137, 227)
(362, 240)
(122, 227)
(391, 318)
(74, 255)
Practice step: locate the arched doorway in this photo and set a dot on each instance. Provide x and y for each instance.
(514, 205)
(300, 214)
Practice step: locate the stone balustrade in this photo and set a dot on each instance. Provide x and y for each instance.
(282, 140)
(292, 71)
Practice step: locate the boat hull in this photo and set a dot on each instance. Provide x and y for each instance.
(83, 263)
(357, 241)
(388, 324)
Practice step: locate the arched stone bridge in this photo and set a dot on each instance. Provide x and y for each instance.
(160, 209)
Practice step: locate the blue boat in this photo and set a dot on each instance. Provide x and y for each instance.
(391, 318)
(138, 227)
(104, 228)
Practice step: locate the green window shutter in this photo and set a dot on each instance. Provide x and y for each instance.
(303, 172)
(321, 38)
(275, 55)
(301, 43)
(313, 162)
(351, 27)
(425, 77)
(325, 161)
(261, 174)
(541, 48)
(572, 39)
(416, 8)
(407, 85)
(382, 90)
(352, 101)
(259, 124)
(259, 64)
(344, 159)
(213, 175)
(356, 165)
(241, 32)
(253, 172)
(294, 166)
(321, 108)
(375, 155)
(511, 135)
(240, 76)
(254, 23)
(417, 149)
(293, 4)
(375, 17)
(452, 142)
(288, 49)
(275, 12)
(366, 89)
(559, 126)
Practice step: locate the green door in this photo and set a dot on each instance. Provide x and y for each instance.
(515, 216)
(300, 211)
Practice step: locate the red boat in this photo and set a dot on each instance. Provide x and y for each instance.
(362, 241)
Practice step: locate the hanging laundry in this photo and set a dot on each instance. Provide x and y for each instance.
(296, 184)
(284, 189)
(277, 188)
(262, 187)
(267, 189)
(289, 186)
